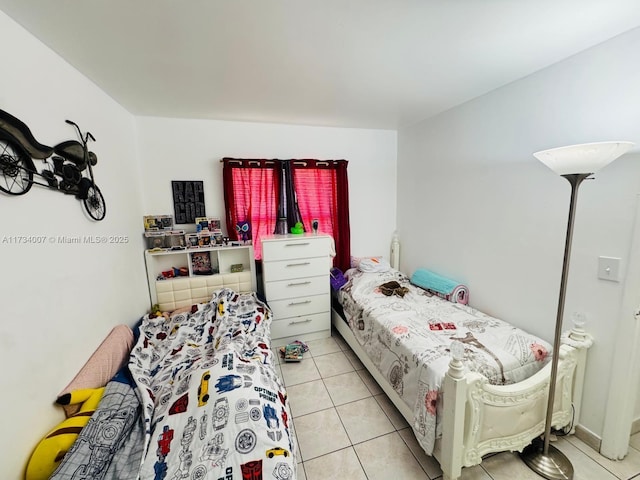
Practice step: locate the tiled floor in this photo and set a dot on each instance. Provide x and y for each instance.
(347, 429)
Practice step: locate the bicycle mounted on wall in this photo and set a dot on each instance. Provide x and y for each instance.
(69, 172)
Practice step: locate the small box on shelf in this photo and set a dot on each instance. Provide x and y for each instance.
(165, 239)
(209, 224)
(201, 264)
(154, 223)
(155, 240)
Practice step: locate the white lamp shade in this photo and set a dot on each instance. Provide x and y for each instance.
(583, 158)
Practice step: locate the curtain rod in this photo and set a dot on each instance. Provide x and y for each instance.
(239, 161)
(243, 160)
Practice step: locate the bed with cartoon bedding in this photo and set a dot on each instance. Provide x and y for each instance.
(405, 335)
(200, 399)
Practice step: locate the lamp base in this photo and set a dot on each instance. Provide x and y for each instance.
(553, 466)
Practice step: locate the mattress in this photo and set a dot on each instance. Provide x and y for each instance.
(407, 333)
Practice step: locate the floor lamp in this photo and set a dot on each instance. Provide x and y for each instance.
(575, 163)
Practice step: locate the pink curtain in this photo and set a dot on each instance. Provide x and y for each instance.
(252, 192)
(251, 189)
(322, 191)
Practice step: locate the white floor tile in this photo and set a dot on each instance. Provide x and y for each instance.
(364, 420)
(308, 397)
(322, 347)
(576, 450)
(340, 465)
(320, 433)
(345, 388)
(294, 373)
(333, 364)
(301, 474)
(387, 457)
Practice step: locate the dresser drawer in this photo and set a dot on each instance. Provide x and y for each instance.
(292, 248)
(296, 268)
(294, 307)
(298, 326)
(297, 287)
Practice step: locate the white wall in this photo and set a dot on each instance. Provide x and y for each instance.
(173, 149)
(59, 301)
(495, 218)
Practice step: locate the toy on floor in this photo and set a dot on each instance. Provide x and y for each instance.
(298, 347)
(52, 448)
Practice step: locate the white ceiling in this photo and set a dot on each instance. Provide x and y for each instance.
(348, 63)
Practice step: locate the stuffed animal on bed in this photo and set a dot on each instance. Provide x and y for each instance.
(393, 288)
(52, 448)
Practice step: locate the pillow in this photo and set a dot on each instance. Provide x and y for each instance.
(110, 356)
(374, 264)
(355, 261)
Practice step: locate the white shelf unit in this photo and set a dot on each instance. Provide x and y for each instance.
(182, 291)
(295, 274)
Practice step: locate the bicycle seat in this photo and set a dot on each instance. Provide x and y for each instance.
(18, 131)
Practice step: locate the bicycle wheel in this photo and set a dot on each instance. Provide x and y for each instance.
(94, 203)
(16, 169)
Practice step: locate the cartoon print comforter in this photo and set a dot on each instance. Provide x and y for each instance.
(201, 400)
(213, 405)
(408, 337)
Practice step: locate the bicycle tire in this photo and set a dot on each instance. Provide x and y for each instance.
(94, 203)
(16, 168)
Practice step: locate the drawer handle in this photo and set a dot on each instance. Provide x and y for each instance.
(300, 321)
(293, 304)
(296, 244)
(297, 284)
(302, 264)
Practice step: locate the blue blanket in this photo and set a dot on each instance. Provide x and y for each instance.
(441, 286)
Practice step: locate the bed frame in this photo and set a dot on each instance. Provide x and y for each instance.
(479, 418)
(187, 291)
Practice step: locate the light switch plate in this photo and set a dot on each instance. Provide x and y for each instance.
(609, 268)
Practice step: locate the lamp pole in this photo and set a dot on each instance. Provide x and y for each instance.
(547, 460)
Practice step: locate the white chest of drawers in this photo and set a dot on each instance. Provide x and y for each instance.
(295, 274)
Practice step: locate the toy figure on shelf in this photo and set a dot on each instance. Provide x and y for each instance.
(244, 231)
(297, 229)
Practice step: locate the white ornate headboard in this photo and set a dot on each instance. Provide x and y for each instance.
(184, 292)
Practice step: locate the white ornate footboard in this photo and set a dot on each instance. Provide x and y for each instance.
(479, 418)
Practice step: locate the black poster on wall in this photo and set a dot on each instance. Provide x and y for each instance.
(188, 200)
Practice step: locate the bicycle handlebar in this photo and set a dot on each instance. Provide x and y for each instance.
(88, 135)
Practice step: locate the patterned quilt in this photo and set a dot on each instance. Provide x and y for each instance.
(407, 333)
(201, 400)
(213, 406)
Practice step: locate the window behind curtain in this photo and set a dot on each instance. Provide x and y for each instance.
(251, 194)
(322, 191)
(315, 191)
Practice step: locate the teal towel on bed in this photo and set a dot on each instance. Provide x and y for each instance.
(447, 288)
